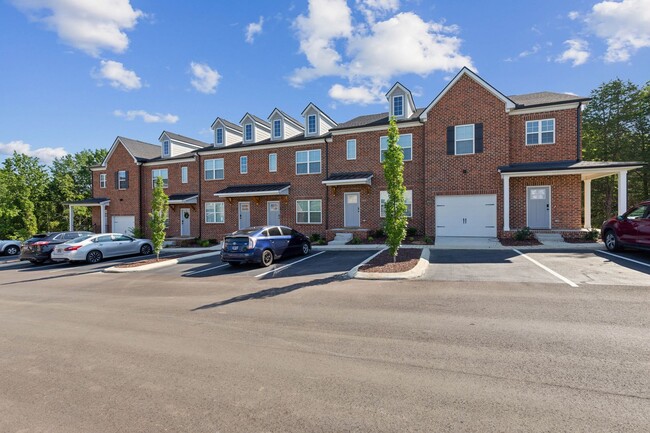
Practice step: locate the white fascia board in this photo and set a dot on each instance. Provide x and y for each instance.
(101, 203)
(110, 152)
(98, 168)
(601, 172)
(283, 191)
(376, 128)
(190, 200)
(366, 181)
(544, 109)
(169, 161)
(273, 145)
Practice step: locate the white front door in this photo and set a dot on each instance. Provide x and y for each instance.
(352, 210)
(273, 213)
(244, 214)
(185, 222)
(466, 215)
(538, 207)
(123, 224)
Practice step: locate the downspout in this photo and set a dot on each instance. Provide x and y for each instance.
(200, 203)
(142, 225)
(578, 133)
(327, 195)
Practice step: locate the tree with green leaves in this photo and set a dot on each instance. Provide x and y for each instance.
(158, 216)
(395, 208)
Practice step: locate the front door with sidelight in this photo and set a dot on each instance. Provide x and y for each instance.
(244, 215)
(538, 204)
(352, 209)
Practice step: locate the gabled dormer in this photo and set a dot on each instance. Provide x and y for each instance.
(254, 129)
(283, 126)
(225, 132)
(316, 122)
(400, 101)
(175, 144)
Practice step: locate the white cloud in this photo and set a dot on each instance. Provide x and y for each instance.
(205, 78)
(530, 52)
(91, 26)
(573, 15)
(117, 76)
(253, 29)
(624, 25)
(577, 52)
(356, 94)
(372, 9)
(146, 117)
(45, 154)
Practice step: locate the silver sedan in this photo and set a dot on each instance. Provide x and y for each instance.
(10, 248)
(94, 248)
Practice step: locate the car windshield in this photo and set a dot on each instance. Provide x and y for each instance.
(36, 238)
(247, 232)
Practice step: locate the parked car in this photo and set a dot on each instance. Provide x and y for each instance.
(94, 248)
(263, 245)
(38, 248)
(632, 229)
(10, 248)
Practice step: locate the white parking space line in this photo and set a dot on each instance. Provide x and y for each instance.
(624, 258)
(547, 269)
(206, 270)
(290, 264)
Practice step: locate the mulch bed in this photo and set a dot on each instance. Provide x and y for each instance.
(571, 240)
(417, 240)
(510, 242)
(407, 258)
(154, 260)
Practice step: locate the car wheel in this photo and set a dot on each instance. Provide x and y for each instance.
(94, 257)
(12, 250)
(267, 258)
(305, 248)
(146, 249)
(611, 241)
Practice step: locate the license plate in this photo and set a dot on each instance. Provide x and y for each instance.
(59, 250)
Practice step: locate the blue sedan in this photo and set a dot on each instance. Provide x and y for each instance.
(263, 245)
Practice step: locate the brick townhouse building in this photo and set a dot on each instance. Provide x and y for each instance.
(477, 163)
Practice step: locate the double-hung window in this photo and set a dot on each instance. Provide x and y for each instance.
(213, 169)
(408, 200)
(464, 136)
(273, 162)
(351, 149)
(540, 131)
(248, 132)
(308, 161)
(218, 137)
(122, 179)
(214, 213)
(183, 174)
(243, 164)
(311, 124)
(277, 128)
(155, 174)
(102, 180)
(166, 148)
(398, 106)
(406, 143)
(309, 211)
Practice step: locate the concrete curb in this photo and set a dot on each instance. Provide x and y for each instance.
(157, 265)
(416, 272)
(361, 247)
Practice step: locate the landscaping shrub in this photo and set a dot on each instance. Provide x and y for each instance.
(379, 233)
(411, 231)
(524, 234)
(591, 235)
(355, 241)
(315, 237)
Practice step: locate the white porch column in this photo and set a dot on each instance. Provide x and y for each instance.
(71, 216)
(506, 203)
(622, 192)
(588, 203)
(102, 211)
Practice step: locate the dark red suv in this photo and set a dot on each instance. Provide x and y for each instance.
(632, 229)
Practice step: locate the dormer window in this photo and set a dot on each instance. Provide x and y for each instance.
(166, 148)
(398, 106)
(248, 132)
(311, 124)
(277, 128)
(218, 136)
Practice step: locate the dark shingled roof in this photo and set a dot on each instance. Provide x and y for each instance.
(267, 187)
(229, 124)
(87, 201)
(140, 150)
(258, 120)
(181, 197)
(294, 139)
(190, 154)
(179, 137)
(565, 165)
(379, 119)
(349, 176)
(544, 98)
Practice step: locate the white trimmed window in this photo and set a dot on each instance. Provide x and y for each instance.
(273, 162)
(308, 161)
(408, 199)
(183, 174)
(351, 149)
(214, 213)
(213, 169)
(309, 211)
(248, 132)
(277, 128)
(464, 139)
(311, 124)
(398, 106)
(102, 180)
(218, 136)
(243, 164)
(122, 179)
(540, 131)
(405, 141)
(155, 174)
(166, 148)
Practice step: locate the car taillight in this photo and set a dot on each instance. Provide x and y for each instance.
(250, 245)
(72, 248)
(41, 243)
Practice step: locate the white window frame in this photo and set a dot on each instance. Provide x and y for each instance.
(213, 169)
(273, 167)
(395, 99)
(352, 143)
(315, 131)
(121, 179)
(310, 161)
(166, 149)
(212, 208)
(473, 139)
(216, 136)
(408, 199)
(539, 132)
(278, 122)
(252, 136)
(382, 148)
(159, 172)
(102, 180)
(243, 164)
(184, 175)
(309, 212)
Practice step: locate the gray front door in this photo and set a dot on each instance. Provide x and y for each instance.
(244, 214)
(538, 205)
(185, 222)
(273, 213)
(352, 209)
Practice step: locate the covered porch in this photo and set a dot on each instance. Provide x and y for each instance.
(89, 202)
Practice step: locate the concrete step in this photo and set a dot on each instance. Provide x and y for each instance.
(341, 239)
(549, 238)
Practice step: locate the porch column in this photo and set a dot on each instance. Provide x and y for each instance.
(588, 203)
(506, 203)
(102, 212)
(71, 216)
(622, 192)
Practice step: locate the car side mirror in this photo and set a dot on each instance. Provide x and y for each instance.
(621, 218)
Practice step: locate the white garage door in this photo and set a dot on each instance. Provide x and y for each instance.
(123, 224)
(466, 215)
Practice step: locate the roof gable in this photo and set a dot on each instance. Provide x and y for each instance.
(226, 124)
(256, 120)
(139, 150)
(311, 106)
(407, 92)
(286, 117)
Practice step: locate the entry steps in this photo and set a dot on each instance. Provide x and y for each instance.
(341, 239)
(550, 238)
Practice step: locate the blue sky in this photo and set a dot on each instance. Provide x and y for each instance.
(76, 74)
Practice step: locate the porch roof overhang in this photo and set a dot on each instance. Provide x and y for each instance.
(341, 179)
(183, 198)
(254, 190)
(89, 202)
(588, 170)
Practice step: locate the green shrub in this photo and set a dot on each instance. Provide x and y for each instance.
(591, 235)
(321, 242)
(428, 240)
(203, 243)
(137, 232)
(355, 241)
(411, 231)
(371, 239)
(379, 233)
(315, 237)
(524, 234)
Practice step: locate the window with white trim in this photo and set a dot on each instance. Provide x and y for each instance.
(398, 106)
(214, 212)
(311, 124)
(122, 179)
(102, 180)
(406, 143)
(308, 161)
(218, 136)
(166, 148)
(184, 175)
(248, 132)
(273, 162)
(408, 200)
(155, 174)
(309, 211)
(243, 164)
(213, 169)
(540, 131)
(464, 139)
(351, 149)
(277, 128)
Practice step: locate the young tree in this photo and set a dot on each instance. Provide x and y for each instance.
(158, 216)
(393, 165)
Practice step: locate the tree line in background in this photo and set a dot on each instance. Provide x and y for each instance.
(32, 194)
